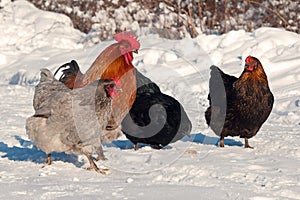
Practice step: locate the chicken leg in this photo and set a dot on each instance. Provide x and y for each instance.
(222, 141)
(100, 154)
(93, 165)
(247, 144)
(48, 159)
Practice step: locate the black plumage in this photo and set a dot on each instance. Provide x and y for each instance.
(155, 118)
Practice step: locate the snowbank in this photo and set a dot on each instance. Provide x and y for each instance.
(192, 168)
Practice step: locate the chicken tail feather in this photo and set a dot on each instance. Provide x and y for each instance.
(71, 69)
(69, 73)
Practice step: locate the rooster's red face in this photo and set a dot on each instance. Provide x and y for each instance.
(126, 50)
(128, 43)
(251, 63)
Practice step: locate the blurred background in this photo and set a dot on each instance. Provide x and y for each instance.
(174, 19)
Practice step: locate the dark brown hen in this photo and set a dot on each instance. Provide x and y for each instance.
(239, 106)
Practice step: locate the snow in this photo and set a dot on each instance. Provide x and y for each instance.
(193, 168)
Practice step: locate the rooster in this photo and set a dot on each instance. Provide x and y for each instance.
(239, 106)
(114, 62)
(70, 120)
(155, 118)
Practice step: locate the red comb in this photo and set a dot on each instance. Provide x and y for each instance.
(128, 36)
(248, 59)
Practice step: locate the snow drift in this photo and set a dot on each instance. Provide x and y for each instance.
(191, 168)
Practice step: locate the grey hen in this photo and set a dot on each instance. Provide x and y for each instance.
(70, 121)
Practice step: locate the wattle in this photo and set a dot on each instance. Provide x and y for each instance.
(128, 58)
(250, 68)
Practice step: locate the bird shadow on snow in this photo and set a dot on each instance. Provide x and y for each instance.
(196, 138)
(29, 152)
(208, 140)
(126, 144)
(121, 144)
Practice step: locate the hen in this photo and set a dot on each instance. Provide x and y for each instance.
(114, 62)
(70, 120)
(155, 118)
(239, 106)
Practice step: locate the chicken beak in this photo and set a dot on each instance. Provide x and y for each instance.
(135, 51)
(119, 90)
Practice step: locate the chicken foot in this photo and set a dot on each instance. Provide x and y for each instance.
(247, 144)
(93, 165)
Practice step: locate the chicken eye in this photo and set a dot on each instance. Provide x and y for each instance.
(111, 85)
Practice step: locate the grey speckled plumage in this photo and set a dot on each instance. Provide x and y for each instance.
(70, 120)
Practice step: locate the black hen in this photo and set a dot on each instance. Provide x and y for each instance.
(155, 118)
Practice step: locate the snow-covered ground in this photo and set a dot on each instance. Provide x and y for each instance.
(193, 168)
